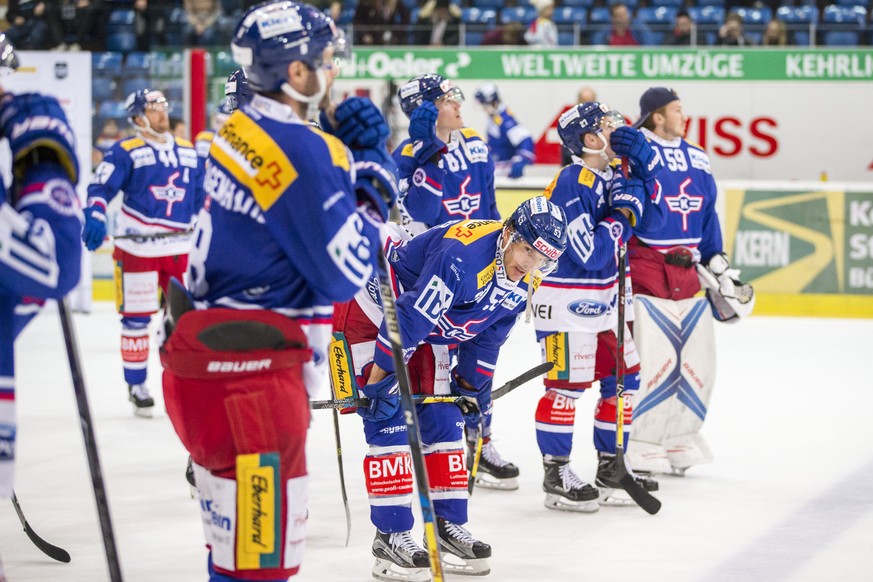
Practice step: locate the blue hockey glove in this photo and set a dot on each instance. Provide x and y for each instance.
(628, 193)
(95, 228)
(376, 180)
(422, 132)
(360, 124)
(517, 168)
(476, 402)
(384, 398)
(628, 141)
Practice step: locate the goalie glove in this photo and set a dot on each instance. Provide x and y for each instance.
(729, 298)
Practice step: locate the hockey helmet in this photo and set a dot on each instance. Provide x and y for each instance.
(487, 94)
(236, 91)
(271, 35)
(8, 58)
(429, 87)
(589, 117)
(138, 101)
(543, 226)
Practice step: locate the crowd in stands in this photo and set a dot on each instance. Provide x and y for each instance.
(143, 25)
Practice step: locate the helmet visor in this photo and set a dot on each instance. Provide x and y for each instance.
(611, 120)
(529, 258)
(452, 93)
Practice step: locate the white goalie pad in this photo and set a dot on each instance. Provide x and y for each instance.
(676, 344)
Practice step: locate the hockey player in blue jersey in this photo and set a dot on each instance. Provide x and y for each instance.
(462, 283)
(673, 328)
(446, 171)
(575, 307)
(40, 226)
(236, 92)
(511, 144)
(290, 227)
(162, 183)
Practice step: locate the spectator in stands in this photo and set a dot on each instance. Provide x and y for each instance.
(178, 127)
(542, 32)
(439, 24)
(381, 22)
(511, 33)
(76, 24)
(151, 22)
(203, 17)
(775, 34)
(681, 33)
(109, 134)
(28, 28)
(731, 32)
(335, 7)
(623, 32)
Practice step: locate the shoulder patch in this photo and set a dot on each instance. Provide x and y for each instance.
(469, 132)
(695, 145)
(339, 155)
(182, 142)
(132, 143)
(204, 136)
(472, 230)
(407, 150)
(484, 276)
(586, 177)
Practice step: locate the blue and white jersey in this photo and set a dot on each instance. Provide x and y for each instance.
(459, 187)
(508, 140)
(162, 192)
(280, 229)
(452, 289)
(689, 192)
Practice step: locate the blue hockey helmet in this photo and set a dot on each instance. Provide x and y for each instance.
(271, 35)
(429, 87)
(543, 226)
(236, 91)
(138, 101)
(487, 94)
(8, 58)
(588, 117)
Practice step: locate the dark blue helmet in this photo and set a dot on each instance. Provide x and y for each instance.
(138, 101)
(236, 91)
(487, 94)
(272, 35)
(543, 226)
(8, 58)
(589, 117)
(429, 87)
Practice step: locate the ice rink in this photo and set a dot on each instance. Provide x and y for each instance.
(788, 498)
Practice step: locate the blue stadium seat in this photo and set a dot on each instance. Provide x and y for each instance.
(522, 14)
(708, 20)
(174, 91)
(631, 4)
(123, 42)
(659, 20)
(577, 3)
(111, 110)
(174, 31)
(600, 15)
(102, 89)
(106, 64)
(702, 3)
(570, 15)
(798, 20)
(475, 15)
(669, 3)
(137, 64)
(492, 4)
(134, 84)
(843, 25)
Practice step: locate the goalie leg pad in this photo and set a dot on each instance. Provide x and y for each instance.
(687, 450)
(243, 416)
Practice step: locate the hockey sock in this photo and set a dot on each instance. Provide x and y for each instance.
(135, 348)
(555, 417)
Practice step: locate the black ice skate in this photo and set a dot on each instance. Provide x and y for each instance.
(494, 472)
(398, 557)
(143, 403)
(461, 553)
(565, 491)
(611, 491)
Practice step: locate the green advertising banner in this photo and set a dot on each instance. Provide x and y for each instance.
(591, 64)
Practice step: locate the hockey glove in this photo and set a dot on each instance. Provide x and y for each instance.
(422, 132)
(627, 141)
(475, 403)
(95, 228)
(384, 398)
(376, 181)
(729, 297)
(517, 168)
(360, 124)
(628, 193)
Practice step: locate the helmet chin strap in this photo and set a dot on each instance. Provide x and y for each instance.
(311, 101)
(601, 151)
(148, 129)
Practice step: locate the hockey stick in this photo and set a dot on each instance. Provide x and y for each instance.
(477, 455)
(53, 552)
(342, 475)
(143, 237)
(643, 498)
(505, 389)
(90, 443)
(411, 416)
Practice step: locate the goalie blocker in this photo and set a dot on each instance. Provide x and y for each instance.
(234, 391)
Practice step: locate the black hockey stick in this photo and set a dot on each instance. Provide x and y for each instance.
(154, 235)
(53, 552)
(342, 475)
(392, 325)
(90, 443)
(505, 389)
(642, 497)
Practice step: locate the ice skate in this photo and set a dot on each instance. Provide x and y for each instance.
(565, 491)
(494, 472)
(398, 557)
(461, 553)
(611, 491)
(143, 403)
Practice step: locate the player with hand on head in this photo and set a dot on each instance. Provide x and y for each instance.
(162, 183)
(511, 144)
(461, 283)
(236, 93)
(673, 329)
(291, 226)
(576, 306)
(40, 226)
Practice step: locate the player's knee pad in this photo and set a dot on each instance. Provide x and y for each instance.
(240, 407)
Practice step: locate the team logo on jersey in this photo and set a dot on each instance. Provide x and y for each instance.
(465, 204)
(587, 308)
(684, 203)
(448, 329)
(435, 299)
(170, 193)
